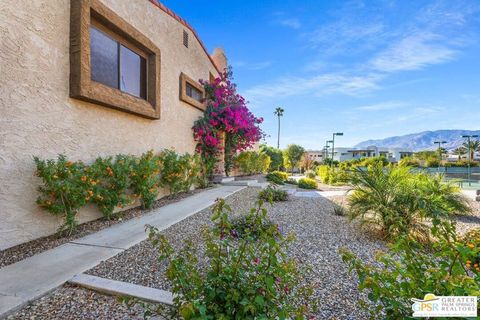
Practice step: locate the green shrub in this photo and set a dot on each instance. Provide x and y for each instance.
(145, 178)
(247, 227)
(110, 181)
(409, 162)
(66, 188)
(273, 194)
(339, 210)
(179, 172)
(245, 277)
(398, 201)
(310, 174)
(276, 157)
(277, 177)
(251, 162)
(462, 163)
(306, 183)
(335, 175)
(411, 270)
(292, 181)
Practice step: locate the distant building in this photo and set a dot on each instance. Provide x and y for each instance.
(345, 154)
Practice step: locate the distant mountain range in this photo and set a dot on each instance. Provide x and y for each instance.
(422, 140)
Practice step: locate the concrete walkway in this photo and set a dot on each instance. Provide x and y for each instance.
(33, 277)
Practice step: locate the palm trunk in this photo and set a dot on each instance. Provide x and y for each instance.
(278, 135)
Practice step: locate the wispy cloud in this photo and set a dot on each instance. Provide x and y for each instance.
(432, 34)
(414, 52)
(317, 86)
(293, 23)
(388, 105)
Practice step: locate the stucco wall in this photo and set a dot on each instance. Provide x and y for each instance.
(38, 117)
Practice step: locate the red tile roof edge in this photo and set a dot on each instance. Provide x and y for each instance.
(162, 7)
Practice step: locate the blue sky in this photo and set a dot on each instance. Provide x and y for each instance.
(370, 69)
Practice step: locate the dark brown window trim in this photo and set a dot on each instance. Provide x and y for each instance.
(81, 85)
(184, 79)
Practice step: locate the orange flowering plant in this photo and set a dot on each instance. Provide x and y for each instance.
(110, 180)
(145, 178)
(179, 172)
(66, 188)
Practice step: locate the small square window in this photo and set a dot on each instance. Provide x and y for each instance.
(191, 92)
(194, 93)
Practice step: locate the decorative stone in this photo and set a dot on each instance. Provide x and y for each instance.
(477, 198)
(478, 192)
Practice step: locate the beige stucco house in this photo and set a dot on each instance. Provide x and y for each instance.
(90, 78)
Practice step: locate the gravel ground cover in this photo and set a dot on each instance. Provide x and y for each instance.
(70, 302)
(319, 232)
(28, 249)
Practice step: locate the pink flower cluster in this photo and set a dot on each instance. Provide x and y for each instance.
(227, 113)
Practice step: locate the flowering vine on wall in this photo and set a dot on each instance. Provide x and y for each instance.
(227, 124)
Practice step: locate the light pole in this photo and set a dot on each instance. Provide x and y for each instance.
(439, 151)
(333, 143)
(325, 152)
(468, 137)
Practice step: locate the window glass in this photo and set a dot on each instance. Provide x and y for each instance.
(133, 70)
(104, 58)
(193, 92)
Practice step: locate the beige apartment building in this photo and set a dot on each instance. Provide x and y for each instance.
(89, 78)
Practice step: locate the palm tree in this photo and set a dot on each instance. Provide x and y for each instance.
(473, 146)
(279, 113)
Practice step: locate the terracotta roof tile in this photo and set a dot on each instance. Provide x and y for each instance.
(162, 7)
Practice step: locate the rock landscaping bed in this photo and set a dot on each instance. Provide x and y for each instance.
(319, 233)
(28, 249)
(71, 302)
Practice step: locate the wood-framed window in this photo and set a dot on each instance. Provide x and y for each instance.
(192, 92)
(112, 63)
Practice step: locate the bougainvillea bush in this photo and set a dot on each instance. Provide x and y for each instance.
(227, 124)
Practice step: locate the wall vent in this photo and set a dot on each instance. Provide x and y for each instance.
(185, 38)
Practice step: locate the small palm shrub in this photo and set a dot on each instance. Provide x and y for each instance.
(410, 270)
(399, 201)
(271, 193)
(245, 277)
(306, 183)
(251, 162)
(277, 177)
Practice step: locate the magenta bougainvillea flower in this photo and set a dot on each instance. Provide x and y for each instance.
(226, 116)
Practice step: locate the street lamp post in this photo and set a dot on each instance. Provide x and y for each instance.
(439, 151)
(333, 143)
(468, 137)
(325, 152)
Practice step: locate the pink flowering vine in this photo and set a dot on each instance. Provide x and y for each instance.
(226, 113)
